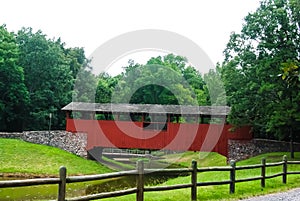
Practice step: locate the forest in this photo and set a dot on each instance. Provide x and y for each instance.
(259, 75)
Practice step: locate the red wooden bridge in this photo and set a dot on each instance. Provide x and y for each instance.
(154, 127)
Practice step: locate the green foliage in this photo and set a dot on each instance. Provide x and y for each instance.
(39, 76)
(14, 94)
(291, 73)
(85, 86)
(196, 82)
(37, 79)
(105, 87)
(215, 88)
(268, 46)
(54, 76)
(50, 70)
(163, 80)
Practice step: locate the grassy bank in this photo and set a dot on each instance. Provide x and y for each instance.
(215, 193)
(26, 159)
(18, 157)
(204, 159)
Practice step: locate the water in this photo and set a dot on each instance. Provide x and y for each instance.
(49, 192)
(42, 192)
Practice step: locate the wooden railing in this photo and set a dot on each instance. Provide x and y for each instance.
(140, 172)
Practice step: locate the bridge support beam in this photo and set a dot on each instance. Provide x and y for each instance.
(95, 154)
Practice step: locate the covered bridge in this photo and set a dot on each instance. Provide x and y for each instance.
(153, 127)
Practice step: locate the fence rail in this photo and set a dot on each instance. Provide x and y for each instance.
(140, 171)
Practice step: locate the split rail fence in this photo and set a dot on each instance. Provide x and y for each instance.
(140, 172)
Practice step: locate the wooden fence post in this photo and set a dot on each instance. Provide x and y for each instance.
(194, 181)
(263, 173)
(284, 169)
(62, 184)
(232, 177)
(140, 181)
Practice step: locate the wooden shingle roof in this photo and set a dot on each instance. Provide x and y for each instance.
(147, 108)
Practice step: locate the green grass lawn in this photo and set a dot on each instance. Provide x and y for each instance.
(23, 158)
(204, 159)
(243, 190)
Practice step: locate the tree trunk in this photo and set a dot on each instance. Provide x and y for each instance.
(292, 144)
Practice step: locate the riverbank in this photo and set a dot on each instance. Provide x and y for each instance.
(23, 159)
(25, 175)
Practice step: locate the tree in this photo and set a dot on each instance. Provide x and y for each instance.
(76, 59)
(195, 80)
(85, 85)
(105, 87)
(48, 77)
(269, 38)
(163, 80)
(214, 88)
(292, 77)
(14, 94)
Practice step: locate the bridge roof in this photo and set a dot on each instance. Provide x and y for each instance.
(147, 108)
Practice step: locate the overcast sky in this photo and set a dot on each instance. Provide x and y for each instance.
(90, 23)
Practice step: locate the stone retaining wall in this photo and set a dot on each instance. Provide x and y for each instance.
(242, 149)
(72, 142)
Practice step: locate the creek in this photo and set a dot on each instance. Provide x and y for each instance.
(49, 192)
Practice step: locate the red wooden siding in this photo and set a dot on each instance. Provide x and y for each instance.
(181, 137)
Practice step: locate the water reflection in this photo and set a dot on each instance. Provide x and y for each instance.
(42, 192)
(126, 183)
(49, 192)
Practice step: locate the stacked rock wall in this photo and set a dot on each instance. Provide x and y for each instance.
(242, 149)
(72, 142)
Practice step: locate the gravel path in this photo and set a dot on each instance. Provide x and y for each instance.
(291, 195)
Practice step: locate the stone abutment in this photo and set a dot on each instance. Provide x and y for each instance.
(72, 142)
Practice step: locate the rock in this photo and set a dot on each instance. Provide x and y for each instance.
(243, 149)
(72, 142)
